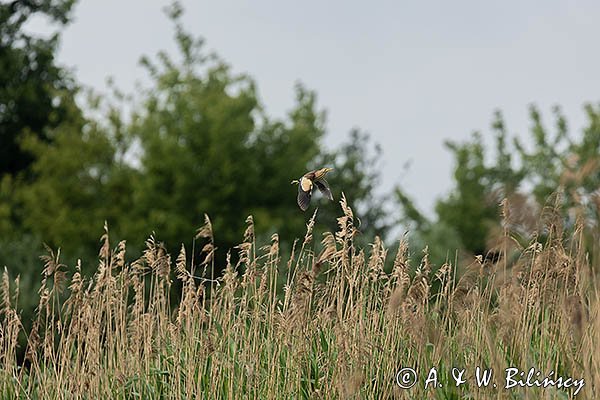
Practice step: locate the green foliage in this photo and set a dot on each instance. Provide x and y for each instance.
(6, 204)
(36, 98)
(197, 142)
(442, 239)
(357, 174)
(77, 187)
(35, 92)
(284, 150)
(468, 208)
(207, 146)
(204, 150)
(545, 162)
(524, 173)
(20, 254)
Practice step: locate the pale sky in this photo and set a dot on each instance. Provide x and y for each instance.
(411, 73)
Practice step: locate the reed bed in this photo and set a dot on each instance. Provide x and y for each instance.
(343, 324)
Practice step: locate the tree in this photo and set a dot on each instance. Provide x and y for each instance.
(35, 92)
(79, 184)
(559, 162)
(208, 147)
(285, 150)
(36, 95)
(197, 142)
(357, 174)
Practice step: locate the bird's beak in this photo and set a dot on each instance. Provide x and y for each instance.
(294, 182)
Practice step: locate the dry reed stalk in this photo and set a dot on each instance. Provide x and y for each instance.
(342, 328)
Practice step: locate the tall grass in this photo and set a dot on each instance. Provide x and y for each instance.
(341, 327)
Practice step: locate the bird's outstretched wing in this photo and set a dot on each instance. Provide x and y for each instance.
(304, 197)
(324, 188)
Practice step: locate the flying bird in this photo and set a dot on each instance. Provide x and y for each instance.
(307, 183)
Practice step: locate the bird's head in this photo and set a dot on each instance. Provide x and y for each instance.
(320, 173)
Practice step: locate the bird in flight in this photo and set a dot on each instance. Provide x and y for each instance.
(307, 183)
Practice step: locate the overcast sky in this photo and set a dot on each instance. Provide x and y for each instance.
(412, 74)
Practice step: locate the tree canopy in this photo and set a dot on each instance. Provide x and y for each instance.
(524, 172)
(197, 141)
(36, 92)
